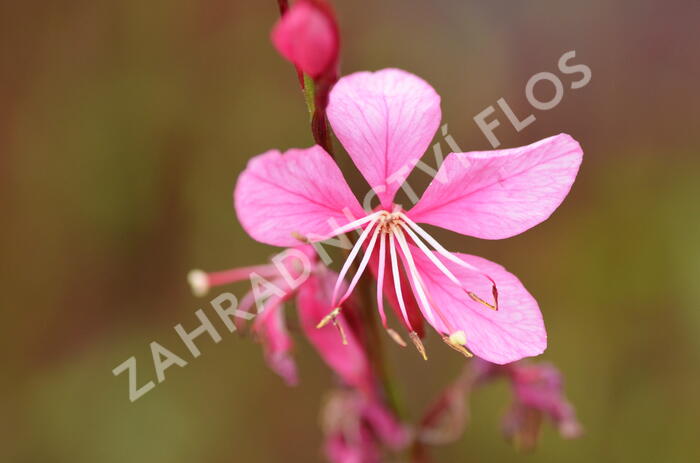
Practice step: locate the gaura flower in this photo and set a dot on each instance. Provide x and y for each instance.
(307, 35)
(357, 427)
(293, 272)
(445, 419)
(538, 392)
(385, 120)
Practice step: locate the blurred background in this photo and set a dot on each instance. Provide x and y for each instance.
(124, 125)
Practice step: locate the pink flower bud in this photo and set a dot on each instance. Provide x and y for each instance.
(307, 35)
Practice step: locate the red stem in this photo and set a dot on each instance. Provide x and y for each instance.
(319, 121)
(284, 6)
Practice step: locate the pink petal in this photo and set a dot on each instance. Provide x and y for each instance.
(302, 192)
(277, 343)
(348, 361)
(306, 36)
(513, 332)
(501, 193)
(385, 120)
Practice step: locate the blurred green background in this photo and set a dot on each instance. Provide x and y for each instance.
(123, 127)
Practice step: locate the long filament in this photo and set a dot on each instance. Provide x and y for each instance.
(444, 252)
(430, 255)
(414, 274)
(350, 260)
(380, 278)
(362, 266)
(347, 227)
(445, 270)
(397, 281)
(438, 247)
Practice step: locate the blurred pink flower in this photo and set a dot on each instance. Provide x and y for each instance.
(307, 35)
(537, 392)
(386, 120)
(347, 358)
(540, 387)
(358, 427)
(296, 274)
(271, 328)
(446, 418)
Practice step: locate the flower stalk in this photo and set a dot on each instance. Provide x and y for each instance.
(307, 34)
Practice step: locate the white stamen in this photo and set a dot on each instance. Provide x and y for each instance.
(417, 283)
(397, 281)
(444, 252)
(348, 227)
(438, 247)
(362, 266)
(431, 256)
(380, 278)
(351, 259)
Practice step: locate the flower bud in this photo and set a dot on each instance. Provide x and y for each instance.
(307, 35)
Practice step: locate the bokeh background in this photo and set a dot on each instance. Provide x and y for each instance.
(123, 127)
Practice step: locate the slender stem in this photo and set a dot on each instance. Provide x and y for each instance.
(368, 332)
(309, 91)
(420, 453)
(316, 94)
(316, 97)
(319, 122)
(375, 345)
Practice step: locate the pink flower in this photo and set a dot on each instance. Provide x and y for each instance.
(307, 35)
(271, 328)
(539, 388)
(345, 355)
(358, 427)
(386, 120)
(446, 418)
(295, 272)
(538, 392)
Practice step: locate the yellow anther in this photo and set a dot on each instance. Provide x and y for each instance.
(480, 300)
(328, 318)
(396, 337)
(458, 341)
(419, 344)
(300, 237)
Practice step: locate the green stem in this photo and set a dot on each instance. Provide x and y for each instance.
(309, 95)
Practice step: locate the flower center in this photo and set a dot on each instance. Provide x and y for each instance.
(388, 221)
(395, 229)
